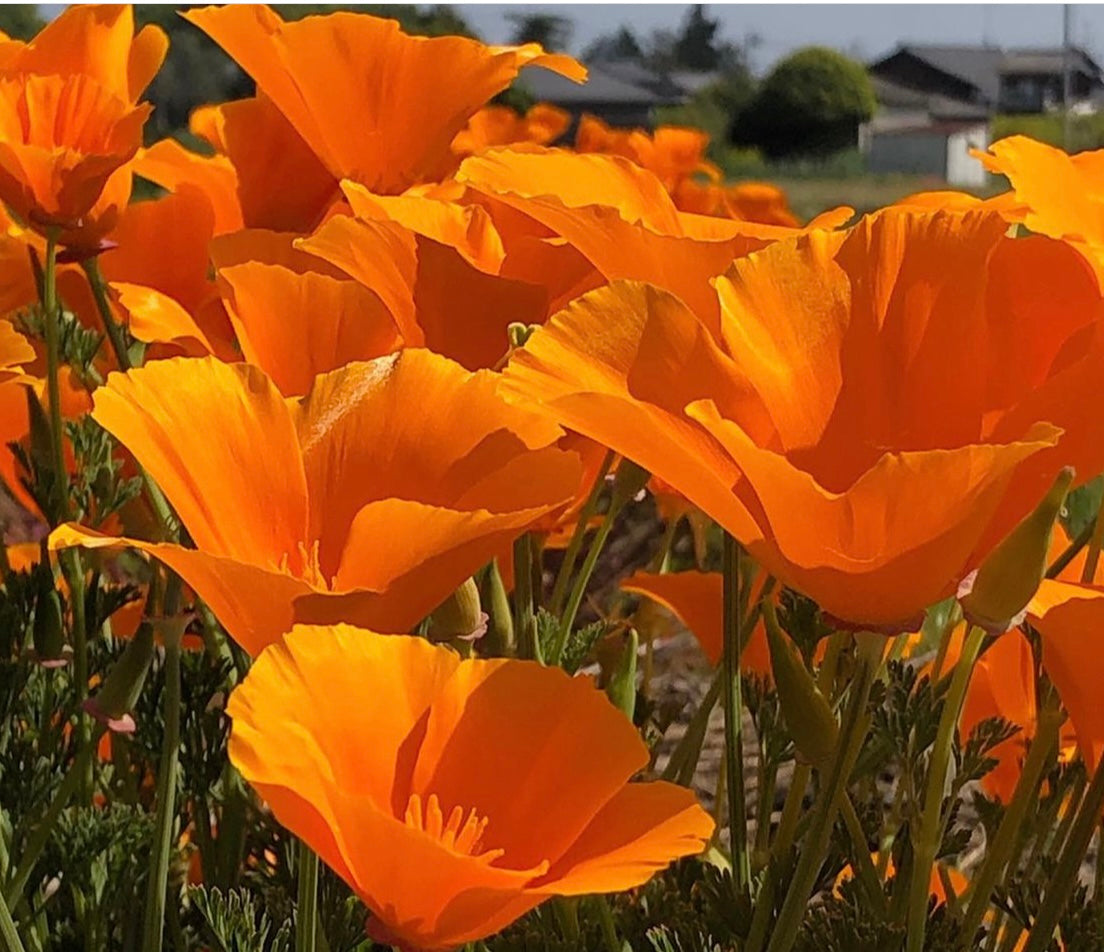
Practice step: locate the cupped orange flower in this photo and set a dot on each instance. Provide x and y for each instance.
(370, 499)
(500, 125)
(1055, 194)
(314, 68)
(619, 217)
(295, 317)
(871, 413)
(69, 120)
(419, 782)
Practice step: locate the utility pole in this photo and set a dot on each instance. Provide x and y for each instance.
(1066, 83)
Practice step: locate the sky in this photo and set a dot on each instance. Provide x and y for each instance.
(864, 31)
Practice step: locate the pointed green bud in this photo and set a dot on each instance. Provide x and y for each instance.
(459, 616)
(50, 648)
(621, 687)
(995, 596)
(807, 712)
(113, 703)
(499, 640)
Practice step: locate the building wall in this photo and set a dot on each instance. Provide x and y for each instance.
(962, 168)
(918, 153)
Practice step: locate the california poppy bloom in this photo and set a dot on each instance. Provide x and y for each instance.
(313, 68)
(1055, 194)
(619, 217)
(492, 126)
(295, 316)
(814, 420)
(420, 784)
(341, 504)
(69, 119)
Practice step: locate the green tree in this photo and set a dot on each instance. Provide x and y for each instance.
(811, 103)
(695, 46)
(553, 32)
(615, 47)
(20, 20)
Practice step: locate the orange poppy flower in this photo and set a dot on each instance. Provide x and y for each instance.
(697, 600)
(168, 164)
(295, 317)
(619, 217)
(759, 202)
(500, 125)
(69, 120)
(281, 184)
(442, 281)
(1069, 617)
(421, 787)
(815, 421)
(313, 68)
(1055, 194)
(341, 504)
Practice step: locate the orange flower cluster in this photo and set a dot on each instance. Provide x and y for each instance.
(361, 353)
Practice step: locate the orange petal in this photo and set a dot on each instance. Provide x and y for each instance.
(196, 425)
(310, 67)
(635, 835)
(573, 723)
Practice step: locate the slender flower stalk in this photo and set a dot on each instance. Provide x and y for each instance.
(815, 844)
(571, 553)
(115, 332)
(8, 932)
(306, 912)
(172, 633)
(525, 622)
(733, 711)
(1003, 848)
(929, 829)
(1069, 864)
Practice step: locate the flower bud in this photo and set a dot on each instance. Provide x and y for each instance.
(49, 629)
(113, 702)
(459, 616)
(995, 596)
(807, 712)
(621, 687)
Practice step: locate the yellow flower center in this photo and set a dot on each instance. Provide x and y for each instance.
(456, 833)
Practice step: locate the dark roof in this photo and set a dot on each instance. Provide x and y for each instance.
(892, 95)
(978, 65)
(629, 71)
(601, 87)
(1048, 61)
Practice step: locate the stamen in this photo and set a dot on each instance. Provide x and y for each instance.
(458, 833)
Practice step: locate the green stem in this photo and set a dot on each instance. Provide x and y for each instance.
(114, 331)
(571, 553)
(567, 621)
(306, 910)
(929, 827)
(1002, 851)
(8, 932)
(525, 622)
(1070, 552)
(681, 767)
(41, 835)
(815, 845)
(157, 886)
(1092, 557)
(609, 927)
(861, 863)
(733, 719)
(1069, 865)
